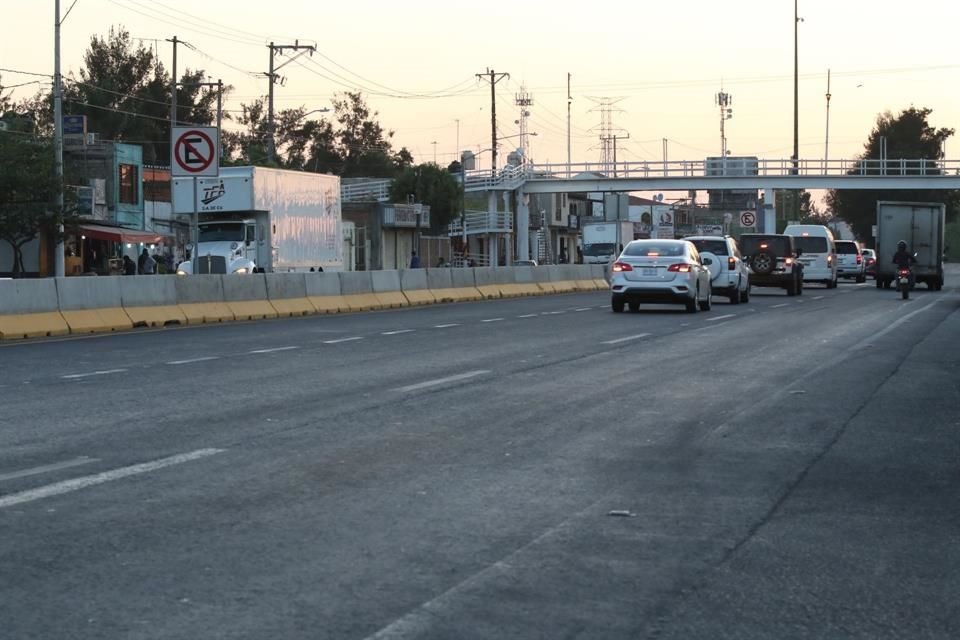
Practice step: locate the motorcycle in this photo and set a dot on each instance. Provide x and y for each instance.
(903, 282)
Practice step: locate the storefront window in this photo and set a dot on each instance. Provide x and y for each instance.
(129, 194)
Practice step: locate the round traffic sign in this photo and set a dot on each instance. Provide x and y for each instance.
(748, 219)
(194, 151)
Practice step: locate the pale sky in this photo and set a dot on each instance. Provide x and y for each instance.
(666, 60)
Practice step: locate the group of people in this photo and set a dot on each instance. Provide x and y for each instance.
(145, 264)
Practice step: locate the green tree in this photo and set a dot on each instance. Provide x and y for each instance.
(28, 190)
(124, 91)
(908, 135)
(430, 185)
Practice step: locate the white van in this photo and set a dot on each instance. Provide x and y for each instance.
(818, 252)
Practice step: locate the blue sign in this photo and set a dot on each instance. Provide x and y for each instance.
(75, 125)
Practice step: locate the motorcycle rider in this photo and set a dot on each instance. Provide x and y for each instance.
(904, 259)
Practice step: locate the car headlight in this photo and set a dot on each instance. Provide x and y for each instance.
(180, 272)
(241, 270)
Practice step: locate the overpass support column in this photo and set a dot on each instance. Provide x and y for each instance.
(769, 213)
(523, 226)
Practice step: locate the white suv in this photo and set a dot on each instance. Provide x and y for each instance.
(729, 275)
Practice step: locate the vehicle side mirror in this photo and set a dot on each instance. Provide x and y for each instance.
(799, 252)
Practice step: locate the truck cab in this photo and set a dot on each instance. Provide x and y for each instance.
(227, 246)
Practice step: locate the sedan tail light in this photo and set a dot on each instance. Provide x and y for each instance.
(621, 266)
(680, 267)
(732, 263)
(859, 259)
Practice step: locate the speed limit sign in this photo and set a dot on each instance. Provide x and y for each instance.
(748, 219)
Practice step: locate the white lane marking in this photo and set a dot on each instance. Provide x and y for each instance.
(866, 342)
(724, 317)
(446, 326)
(552, 313)
(68, 486)
(274, 350)
(817, 298)
(192, 360)
(397, 332)
(421, 620)
(528, 315)
(780, 306)
(77, 376)
(492, 320)
(439, 381)
(583, 309)
(57, 466)
(340, 340)
(627, 339)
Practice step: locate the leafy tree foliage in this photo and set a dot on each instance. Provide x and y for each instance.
(908, 135)
(431, 185)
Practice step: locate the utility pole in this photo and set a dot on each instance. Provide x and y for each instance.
(665, 170)
(796, 90)
(826, 144)
(272, 79)
(218, 85)
(59, 269)
(493, 78)
(434, 143)
(569, 101)
(174, 83)
(614, 138)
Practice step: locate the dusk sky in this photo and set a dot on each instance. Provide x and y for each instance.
(665, 60)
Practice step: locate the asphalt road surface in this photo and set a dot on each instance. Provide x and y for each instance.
(529, 468)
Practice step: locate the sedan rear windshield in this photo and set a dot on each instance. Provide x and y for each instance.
(750, 246)
(846, 247)
(716, 247)
(654, 249)
(811, 244)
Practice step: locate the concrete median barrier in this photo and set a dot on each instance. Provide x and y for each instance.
(488, 280)
(465, 283)
(387, 290)
(415, 288)
(523, 283)
(92, 304)
(357, 290)
(201, 300)
(247, 296)
(323, 291)
(30, 309)
(445, 289)
(287, 293)
(600, 275)
(151, 301)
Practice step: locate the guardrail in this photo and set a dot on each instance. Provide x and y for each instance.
(58, 306)
(366, 191)
(482, 222)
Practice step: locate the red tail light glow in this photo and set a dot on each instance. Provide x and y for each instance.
(732, 263)
(621, 266)
(680, 267)
(859, 259)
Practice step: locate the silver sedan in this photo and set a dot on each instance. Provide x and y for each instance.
(660, 271)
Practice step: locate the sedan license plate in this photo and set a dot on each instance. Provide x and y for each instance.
(649, 271)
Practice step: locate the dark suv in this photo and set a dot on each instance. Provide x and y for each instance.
(772, 259)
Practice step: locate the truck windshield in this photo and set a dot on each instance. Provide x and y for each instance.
(598, 249)
(222, 232)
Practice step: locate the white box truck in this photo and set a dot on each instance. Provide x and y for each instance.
(921, 226)
(601, 239)
(261, 219)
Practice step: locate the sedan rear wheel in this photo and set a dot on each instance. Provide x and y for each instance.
(692, 306)
(616, 303)
(706, 305)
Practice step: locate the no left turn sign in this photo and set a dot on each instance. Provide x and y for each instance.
(195, 152)
(748, 219)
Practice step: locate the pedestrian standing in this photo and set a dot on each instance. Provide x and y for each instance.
(414, 260)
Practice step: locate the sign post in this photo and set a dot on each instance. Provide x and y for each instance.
(195, 154)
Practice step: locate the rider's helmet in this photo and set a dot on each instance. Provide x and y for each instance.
(902, 245)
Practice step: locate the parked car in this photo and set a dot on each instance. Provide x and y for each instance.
(660, 271)
(850, 261)
(772, 259)
(869, 263)
(729, 275)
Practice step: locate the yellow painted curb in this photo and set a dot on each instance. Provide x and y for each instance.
(490, 291)
(155, 316)
(252, 310)
(362, 302)
(97, 320)
(420, 296)
(391, 299)
(33, 325)
(329, 304)
(206, 312)
(291, 307)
